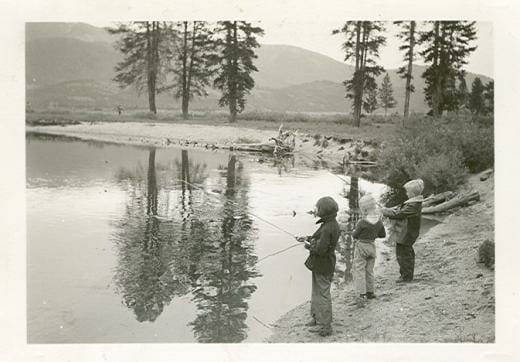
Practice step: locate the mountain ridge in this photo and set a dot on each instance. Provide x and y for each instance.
(72, 65)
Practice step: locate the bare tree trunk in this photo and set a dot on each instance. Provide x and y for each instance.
(357, 73)
(190, 68)
(436, 62)
(232, 83)
(152, 59)
(185, 95)
(409, 72)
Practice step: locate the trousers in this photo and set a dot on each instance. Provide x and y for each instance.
(364, 261)
(321, 301)
(406, 260)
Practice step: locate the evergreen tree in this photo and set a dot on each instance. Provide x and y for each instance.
(235, 43)
(142, 44)
(361, 46)
(476, 98)
(489, 97)
(463, 94)
(408, 34)
(370, 105)
(447, 46)
(386, 94)
(192, 48)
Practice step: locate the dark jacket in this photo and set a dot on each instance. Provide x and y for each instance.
(322, 259)
(409, 217)
(366, 231)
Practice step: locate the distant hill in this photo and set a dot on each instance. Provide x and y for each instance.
(72, 65)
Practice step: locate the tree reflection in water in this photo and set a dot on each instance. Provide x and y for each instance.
(143, 276)
(203, 246)
(223, 286)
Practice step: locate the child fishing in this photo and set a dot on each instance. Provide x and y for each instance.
(366, 231)
(405, 229)
(322, 261)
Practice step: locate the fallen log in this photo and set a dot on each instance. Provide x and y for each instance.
(437, 198)
(486, 174)
(457, 201)
(250, 147)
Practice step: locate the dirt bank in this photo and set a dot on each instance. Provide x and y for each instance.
(324, 147)
(452, 299)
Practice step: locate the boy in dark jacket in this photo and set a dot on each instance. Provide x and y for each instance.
(365, 233)
(408, 216)
(322, 261)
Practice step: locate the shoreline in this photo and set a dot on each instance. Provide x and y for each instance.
(451, 300)
(325, 149)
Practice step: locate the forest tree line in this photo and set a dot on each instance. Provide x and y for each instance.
(186, 58)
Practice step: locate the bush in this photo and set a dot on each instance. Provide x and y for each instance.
(440, 151)
(486, 253)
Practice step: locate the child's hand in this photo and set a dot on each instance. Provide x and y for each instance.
(301, 239)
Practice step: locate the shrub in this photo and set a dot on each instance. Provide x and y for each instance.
(486, 253)
(438, 151)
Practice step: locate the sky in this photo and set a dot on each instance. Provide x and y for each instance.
(318, 37)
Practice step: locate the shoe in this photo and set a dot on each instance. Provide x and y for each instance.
(403, 280)
(325, 332)
(311, 323)
(361, 301)
(371, 295)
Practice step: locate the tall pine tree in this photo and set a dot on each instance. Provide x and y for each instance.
(447, 46)
(386, 94)
(142, 44)
(408, 34)
(489, 97)
(476, 98)
(361, 46)
(235, 45)
(191, 51)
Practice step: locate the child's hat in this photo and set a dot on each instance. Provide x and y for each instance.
(415, 186)
(367, 202)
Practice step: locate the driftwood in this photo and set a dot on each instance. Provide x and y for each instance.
(461, 200)
(252, 147)
(486, 174)
(437, 198)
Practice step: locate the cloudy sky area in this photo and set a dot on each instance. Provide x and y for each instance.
(318, 37)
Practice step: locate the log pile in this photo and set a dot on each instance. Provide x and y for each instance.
(457, 201)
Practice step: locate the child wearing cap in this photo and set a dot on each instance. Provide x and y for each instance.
(366, 231)
(322, 261)
(409, 214)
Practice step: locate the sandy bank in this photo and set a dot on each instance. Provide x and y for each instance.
(159, 134)
(452, 299)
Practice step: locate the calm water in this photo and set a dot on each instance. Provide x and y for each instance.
(120, 250)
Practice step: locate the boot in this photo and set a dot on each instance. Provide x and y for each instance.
(371, 295)
(361, 301)
(311, 323)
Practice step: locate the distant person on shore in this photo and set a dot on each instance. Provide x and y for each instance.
(322, 261)
(366, 231)
(119, 109)
(406, 228)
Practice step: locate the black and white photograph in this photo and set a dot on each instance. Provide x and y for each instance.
(177, 171)
(228, 180)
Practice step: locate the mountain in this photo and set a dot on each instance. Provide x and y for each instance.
(72, 65)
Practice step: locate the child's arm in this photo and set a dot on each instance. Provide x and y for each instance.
(321, 245)
(382, 232)
(357, 230)
(403, 213)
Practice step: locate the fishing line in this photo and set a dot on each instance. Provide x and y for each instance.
(235, 204)
(314, 159)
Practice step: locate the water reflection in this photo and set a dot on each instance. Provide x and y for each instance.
(223, 288)
(200, 245)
